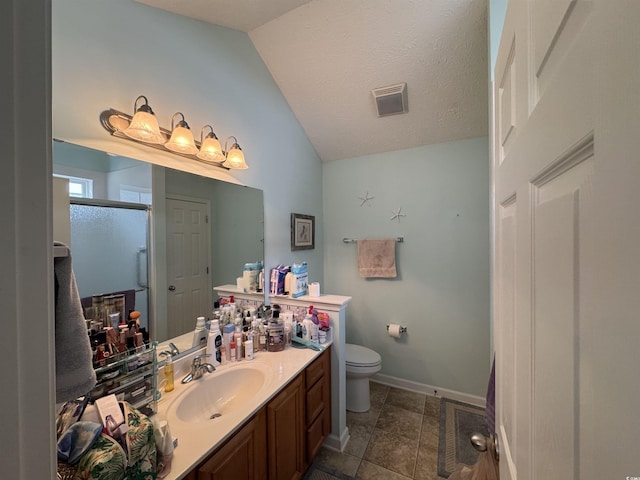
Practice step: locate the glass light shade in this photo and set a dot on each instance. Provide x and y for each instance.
(210, 150)
(181, 141)
(144, 127)
(235, 159)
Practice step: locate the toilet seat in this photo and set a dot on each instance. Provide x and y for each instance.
(359, 356)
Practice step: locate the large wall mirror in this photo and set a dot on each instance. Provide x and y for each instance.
(163, 236)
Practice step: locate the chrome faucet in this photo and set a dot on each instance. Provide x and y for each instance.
(173, 350)
(198, 369)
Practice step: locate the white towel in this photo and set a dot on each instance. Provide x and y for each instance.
(75, 375)
(377, 258)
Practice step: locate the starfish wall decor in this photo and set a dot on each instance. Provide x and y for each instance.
(366, 199)
(397, 214)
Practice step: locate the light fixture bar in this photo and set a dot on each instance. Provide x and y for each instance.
(115, 122)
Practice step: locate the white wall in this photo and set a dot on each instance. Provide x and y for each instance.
(442, 290)
(105, 54)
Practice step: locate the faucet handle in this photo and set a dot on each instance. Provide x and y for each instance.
(197, 359)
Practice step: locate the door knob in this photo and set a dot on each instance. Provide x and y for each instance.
(172, 288)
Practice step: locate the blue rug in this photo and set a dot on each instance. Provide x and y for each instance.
(458, 421)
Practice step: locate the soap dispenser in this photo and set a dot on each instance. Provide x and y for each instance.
(168, 374)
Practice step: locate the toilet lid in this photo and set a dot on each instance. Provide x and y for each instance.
(359, 355)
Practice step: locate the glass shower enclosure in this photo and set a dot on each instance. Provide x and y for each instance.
(110, 248)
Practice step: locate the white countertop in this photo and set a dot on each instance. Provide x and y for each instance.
(197, 440)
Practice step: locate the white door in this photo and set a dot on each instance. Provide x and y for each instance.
(188, 258)
(566, 160)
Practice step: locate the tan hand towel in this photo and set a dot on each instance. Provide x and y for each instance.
(377, 258)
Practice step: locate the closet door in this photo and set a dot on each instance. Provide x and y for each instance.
(566, 140)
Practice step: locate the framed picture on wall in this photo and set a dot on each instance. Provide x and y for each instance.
(303, 232)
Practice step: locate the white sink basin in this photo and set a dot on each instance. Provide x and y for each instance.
(220, 393)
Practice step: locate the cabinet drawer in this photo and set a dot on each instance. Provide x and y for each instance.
(315, 437)
(315, 401)
(314, 372)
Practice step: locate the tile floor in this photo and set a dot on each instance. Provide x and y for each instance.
(397, 439)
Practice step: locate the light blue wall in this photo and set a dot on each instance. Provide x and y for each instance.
(497, 12)
(442, 290)
(106, 53)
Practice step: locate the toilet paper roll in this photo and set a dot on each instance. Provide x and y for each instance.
(394, 330)
(314, 289)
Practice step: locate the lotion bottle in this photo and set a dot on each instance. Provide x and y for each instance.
(200, 333)
(214, 343)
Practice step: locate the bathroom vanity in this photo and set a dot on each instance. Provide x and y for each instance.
(272, 432)
(335, 306)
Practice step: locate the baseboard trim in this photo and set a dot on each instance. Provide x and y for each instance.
(428, 389)
(338, 444)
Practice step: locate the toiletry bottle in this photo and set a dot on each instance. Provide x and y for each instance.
(232, 349)
(227, 335)
(237, 338)
(260, 281)
(255, 335)
(307, 325)
(314, 325)
(168, 374)
(200, 333)
(248, 347)
(216, 313)
(288, 332)
(232, 307)
(214, 342)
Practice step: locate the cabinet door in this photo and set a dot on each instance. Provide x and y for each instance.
(243, 457)
(318, 403)
(326, 392)
(286, 430)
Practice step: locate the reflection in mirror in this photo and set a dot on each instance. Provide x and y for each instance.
(201, 232)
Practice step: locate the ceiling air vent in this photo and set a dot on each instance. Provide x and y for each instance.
(391, 100)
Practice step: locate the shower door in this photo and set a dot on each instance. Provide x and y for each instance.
(109, 248)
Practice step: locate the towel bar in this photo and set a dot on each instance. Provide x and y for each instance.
(353, 240)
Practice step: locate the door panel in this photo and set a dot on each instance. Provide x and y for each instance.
(566, 267)
(548, 18)
(188, 247)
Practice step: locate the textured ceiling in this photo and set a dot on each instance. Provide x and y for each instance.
(327, 55)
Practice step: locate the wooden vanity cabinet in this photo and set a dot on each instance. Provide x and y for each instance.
(243, 456)
(280, 441)
(318, 403)
(285, 431)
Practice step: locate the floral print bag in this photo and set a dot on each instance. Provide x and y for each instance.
(107, 460)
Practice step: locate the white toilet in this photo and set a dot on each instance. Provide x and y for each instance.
(361, 363)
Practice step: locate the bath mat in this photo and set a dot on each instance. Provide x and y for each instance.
(318, 471)
(458, 421)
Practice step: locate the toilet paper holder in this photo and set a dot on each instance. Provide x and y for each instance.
(402, 329)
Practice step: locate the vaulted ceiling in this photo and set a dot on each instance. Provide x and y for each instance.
(327, 55)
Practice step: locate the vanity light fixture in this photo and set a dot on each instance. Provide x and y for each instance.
(210, 148)
(144, 125)
(143, 128)
(181, 140)
(235, 157)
